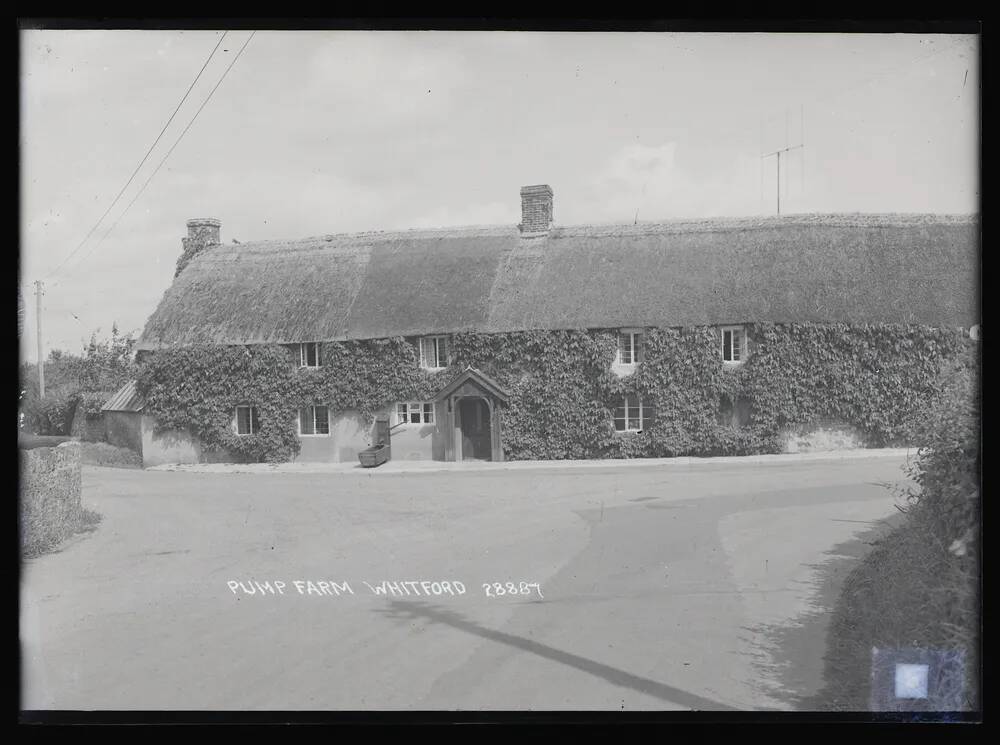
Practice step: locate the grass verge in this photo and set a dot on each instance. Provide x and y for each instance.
(910, 591)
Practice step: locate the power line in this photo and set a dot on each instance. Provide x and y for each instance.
(165, 157)
(144, 157)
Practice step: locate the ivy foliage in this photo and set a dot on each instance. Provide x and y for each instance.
(563, 391)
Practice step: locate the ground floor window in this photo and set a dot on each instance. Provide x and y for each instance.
(633, 414)
(247, 420)
(314, 420)
(415, 412)
(734, 414)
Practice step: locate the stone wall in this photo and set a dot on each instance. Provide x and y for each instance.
(124, 429)
(171, 446)
(88, 428)
(50, 496)
(822, 436)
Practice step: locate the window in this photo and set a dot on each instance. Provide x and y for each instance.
(247, 420)
(415, 412)
(434, 352)
(633, 414)
(314, 420)
(628, 347)
(309, 355)
(734, 344)
(734, 415)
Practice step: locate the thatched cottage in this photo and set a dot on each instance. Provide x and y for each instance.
(430, 287)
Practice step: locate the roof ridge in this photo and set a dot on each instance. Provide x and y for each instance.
(387, 234)
(714, 222)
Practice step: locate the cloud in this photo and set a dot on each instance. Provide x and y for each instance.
(650, 183)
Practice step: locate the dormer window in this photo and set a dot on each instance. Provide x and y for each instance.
(734, 344)
(309, 355)
(434, 352)
(629, 348)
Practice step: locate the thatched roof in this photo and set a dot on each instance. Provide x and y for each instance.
(819, 268)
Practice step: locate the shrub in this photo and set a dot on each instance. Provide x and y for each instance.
(920, 585)
(91, 402)
(55, 414)
(70, 380)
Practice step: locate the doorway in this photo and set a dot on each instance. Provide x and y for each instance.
(475, 424)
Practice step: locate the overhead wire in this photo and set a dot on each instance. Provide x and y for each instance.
(142, 162)
(171, 150)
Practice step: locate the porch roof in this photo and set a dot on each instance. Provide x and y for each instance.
(478, 378)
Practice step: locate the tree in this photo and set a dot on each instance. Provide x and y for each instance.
(103, 366)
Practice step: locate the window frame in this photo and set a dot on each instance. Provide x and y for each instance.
(643, 418)
(304, 355)
(436, 339)
(744, 348)
(313, 407)
(421, 408)
(250, 419)
(635, 340)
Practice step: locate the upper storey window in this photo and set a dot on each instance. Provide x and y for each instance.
(628, 352)
(309, 355)
(629, 347)
(734, 344)
(434, 352)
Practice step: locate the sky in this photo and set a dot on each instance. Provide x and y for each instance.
(317, 132)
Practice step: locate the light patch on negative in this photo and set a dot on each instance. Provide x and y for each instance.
(911, 681)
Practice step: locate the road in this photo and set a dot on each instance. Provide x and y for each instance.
(657, 588)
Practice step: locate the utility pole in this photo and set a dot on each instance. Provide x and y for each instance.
(38, 327)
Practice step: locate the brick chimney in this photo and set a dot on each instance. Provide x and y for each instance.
(202, 232)
(536, 209)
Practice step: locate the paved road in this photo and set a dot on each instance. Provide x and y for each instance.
(658, 587)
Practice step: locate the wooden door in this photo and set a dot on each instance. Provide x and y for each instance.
(476, 429)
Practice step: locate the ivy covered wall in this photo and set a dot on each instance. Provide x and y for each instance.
(563, 391)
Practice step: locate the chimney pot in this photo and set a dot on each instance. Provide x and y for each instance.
(536, 208)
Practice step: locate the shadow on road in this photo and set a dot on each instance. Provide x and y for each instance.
(406, 610)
